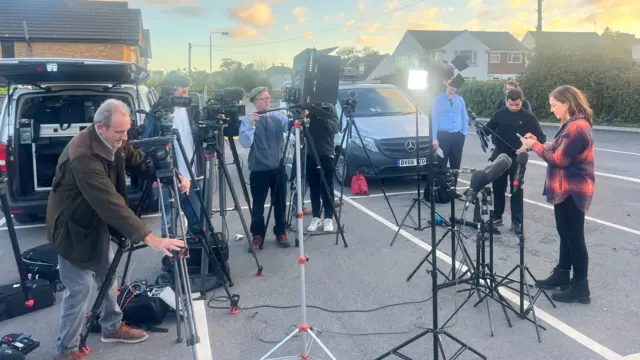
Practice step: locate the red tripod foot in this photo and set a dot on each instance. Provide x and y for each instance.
(85, 350)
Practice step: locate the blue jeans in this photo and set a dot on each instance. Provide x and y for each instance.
(191, 207)
(78, 283)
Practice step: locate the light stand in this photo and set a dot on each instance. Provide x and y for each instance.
(308, 336)
(436, 331)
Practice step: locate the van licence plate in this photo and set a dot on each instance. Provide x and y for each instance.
(411, 162)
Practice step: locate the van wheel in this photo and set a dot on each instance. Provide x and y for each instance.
(341, 170)
(25, 218)
(59, 286)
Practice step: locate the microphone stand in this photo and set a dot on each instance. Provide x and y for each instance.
(437, 331)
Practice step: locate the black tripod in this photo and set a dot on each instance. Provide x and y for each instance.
(415, 145)
(182, 289)
(456, 235)
(522, 268)
(436, 331)
(482, 278)
(342, 161)
(309, 145)
(210, 149)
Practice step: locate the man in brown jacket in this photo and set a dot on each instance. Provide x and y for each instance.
(86, 204)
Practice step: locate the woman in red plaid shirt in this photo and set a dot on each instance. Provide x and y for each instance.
(569, 186)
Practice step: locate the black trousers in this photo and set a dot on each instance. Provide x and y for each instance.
(499, 189)
(573, 249)
(261, 183)
(316, 186)
(452, 145)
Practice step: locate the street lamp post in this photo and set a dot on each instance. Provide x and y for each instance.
(211, 48)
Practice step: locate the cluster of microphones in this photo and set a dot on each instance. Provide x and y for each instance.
(481, 178)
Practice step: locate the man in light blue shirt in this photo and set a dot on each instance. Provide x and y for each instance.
(450, 124)
(262, 134)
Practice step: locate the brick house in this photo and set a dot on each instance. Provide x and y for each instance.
(73, 29)
(490, 54)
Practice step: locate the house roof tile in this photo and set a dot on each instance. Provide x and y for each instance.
(70, 20)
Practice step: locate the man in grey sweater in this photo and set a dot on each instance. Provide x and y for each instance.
(262, 134)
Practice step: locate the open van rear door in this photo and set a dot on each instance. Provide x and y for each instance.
(39, 72)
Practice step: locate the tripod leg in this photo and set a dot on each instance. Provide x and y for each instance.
(366, 152)
(236, 161)
(236, 203)
(533, 308)
(426, 259)
(95, 309)
(395, 236)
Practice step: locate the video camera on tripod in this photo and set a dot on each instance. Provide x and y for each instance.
(222, 112)
(159, 120)
(160, 152)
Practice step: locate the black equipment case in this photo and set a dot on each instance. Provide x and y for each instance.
(27, 295)
(41, 262)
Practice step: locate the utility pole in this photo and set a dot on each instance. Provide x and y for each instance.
(539, 27)
(190, 47)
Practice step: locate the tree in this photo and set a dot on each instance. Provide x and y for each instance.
(368, 50)
(618, 42)
(232, 73)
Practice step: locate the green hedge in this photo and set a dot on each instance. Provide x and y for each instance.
(3, 90)
(611, 82)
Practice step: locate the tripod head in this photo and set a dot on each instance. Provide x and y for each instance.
(160, 151)
(349, 104)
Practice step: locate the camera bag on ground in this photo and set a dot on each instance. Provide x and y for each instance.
(42, 263)
(27, 295)
(443, 194)
(139, 309)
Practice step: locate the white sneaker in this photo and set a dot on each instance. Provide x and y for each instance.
(328, 225)
(315, 224)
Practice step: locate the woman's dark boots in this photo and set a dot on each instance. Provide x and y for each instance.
(572, 290)
(559, 278)
(578, 292)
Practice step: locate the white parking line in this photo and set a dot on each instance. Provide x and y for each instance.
(613, 176)
(33, 226)
(589, 218)
(546, 317)
(597, 149)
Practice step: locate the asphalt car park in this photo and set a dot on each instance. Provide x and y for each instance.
(370, 274)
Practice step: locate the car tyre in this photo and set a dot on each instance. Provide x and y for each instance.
(341, 169)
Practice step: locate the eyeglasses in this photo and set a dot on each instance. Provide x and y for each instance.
(265, 98)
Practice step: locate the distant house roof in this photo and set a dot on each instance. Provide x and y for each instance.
(277, 70)
(494, 40)
(328, 51)
(146, 49)
(70, 20)
(371, 61)
(573, 38)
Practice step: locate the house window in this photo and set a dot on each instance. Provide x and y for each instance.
(401, 62)
(8, 49)
(468, 55)
(361, 69)
(415, 60)
(494, 58)
(515, 58)
(468, 79)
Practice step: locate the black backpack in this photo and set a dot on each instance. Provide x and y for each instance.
(442, 191)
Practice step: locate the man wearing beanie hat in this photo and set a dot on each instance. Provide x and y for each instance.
(179, 86)
(262, 134)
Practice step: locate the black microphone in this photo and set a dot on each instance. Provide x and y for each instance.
(521, 160)
(481, 178)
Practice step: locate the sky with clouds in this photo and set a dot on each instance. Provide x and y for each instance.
(274, 31)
